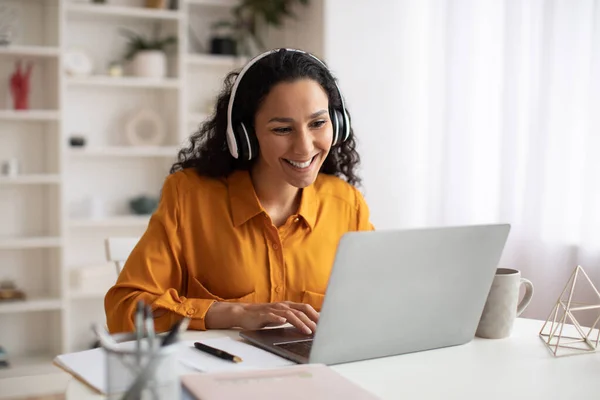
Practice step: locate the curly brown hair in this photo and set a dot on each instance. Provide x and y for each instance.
(207, 151)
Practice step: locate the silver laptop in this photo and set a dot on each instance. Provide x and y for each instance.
(395, 292)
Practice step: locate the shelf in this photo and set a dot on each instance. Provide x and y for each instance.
(29, 366)
(211, 60)
(213, 3)
(39, 242)
(125, 82)
(15, 51)
(125, 151)
(31, 179)
(29, 115)
(78, 295)
(30, 306)
(110, 222)
(96, 10)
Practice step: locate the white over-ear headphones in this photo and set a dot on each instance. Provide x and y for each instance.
(241, 141)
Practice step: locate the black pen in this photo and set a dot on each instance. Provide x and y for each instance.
(217, 353)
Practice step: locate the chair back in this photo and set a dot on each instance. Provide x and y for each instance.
(118, 250)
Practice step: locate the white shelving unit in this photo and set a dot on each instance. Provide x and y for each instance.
(31, 236)
(212, 3)
(124, 82)
(125, 151)
(18, 51)
(210, 60)
(31, 179)
(32, 242)
(30, 115)
(40, 364)
(112, 11)
(108, 169)
(34, 305)
(43, 241)
(85, 295)
(111, 222)
(98, 106)
(46, 237)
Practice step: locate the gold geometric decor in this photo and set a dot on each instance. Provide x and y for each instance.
(562, 333)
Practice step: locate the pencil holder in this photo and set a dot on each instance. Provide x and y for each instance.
(144, 374)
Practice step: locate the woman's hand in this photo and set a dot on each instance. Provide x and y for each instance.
(257, 316)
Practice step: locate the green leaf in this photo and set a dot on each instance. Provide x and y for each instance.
(248, 15)
(137, 42)
(222, 24)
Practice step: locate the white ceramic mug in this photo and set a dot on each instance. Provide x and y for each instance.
(502, 305)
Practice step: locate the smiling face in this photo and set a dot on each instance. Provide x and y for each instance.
(294, 132)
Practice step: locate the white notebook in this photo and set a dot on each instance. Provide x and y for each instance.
(300, 382)
(252, 357)
(89, 366)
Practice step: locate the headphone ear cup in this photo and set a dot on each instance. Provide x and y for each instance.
(253, 142)
(337, 122)
(241, 141)
(247, 143)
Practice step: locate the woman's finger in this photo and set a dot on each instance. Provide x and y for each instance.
(293, 319)
(306, 309)
(306, 320)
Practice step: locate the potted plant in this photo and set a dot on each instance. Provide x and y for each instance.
(244, 27)
(147, 56)
(223, 39)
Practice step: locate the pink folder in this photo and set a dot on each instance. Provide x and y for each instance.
(298, 382)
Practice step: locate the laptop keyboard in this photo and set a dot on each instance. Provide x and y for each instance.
(302, 348)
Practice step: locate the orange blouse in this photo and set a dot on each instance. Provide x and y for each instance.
(210, 240)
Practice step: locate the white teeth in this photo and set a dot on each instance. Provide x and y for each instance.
(299, 164)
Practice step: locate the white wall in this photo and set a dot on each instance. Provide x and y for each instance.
(476, 111)
(367, 47)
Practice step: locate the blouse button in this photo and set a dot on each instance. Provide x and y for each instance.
(191, 311)
(278, 289)
(275, 246)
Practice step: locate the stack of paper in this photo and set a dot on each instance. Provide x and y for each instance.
(90, 366)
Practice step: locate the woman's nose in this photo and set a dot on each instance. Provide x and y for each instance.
(304, 142)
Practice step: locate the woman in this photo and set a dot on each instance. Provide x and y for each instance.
(249, 218)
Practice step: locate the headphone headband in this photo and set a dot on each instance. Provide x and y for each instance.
(231, 139)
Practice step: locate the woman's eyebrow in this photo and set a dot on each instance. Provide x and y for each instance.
(287, 119)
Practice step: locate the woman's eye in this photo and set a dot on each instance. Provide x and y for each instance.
(282, 130)
(318, 124)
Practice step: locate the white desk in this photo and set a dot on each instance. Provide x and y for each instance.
(520, 367)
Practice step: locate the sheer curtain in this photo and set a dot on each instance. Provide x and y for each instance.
(477, 111)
